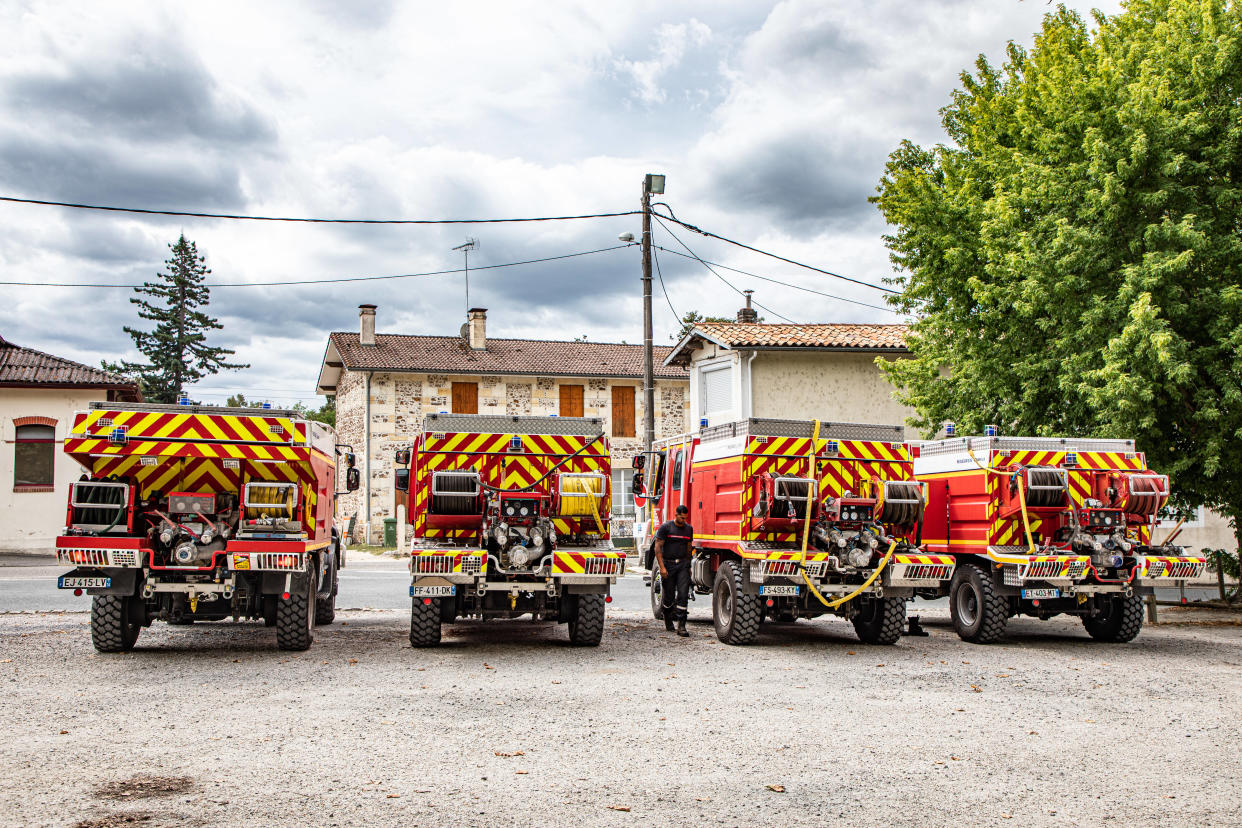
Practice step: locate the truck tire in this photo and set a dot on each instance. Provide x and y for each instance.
(112, 630)
(325, 607)
(295, 617)
(735, 613)
(1120, 621)
(586, 622)
(979, 613)
(657, 585)
(424, 622)
(881, 620)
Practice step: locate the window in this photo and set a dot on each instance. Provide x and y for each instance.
(33, 455)
(571, 400)
(717, 384)
(677, 471)
(465, 398)
(623, 411)
(622, 497)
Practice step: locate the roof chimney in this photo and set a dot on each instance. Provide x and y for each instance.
(476, 320)
(366, 324)
(747, 314)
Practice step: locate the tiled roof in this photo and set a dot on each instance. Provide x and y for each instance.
(831, 335)
(27, 367)
(536, 357)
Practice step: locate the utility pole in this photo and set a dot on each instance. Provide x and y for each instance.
(648, 358)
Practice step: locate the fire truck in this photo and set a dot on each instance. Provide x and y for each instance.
(1044, 526)
(186, 513)
(794, 519)
(509, 517)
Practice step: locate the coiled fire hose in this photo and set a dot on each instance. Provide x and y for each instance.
(806, 534)
(1026, 521)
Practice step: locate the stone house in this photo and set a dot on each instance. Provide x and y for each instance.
(385, 383)
(39, 394)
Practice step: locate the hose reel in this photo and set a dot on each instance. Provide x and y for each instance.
(902, 503)
(1046, 487)
(455, 492)
(1146, 494)
(579, 493)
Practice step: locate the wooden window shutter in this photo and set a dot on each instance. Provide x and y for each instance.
(623, 411)
(571, 400)
(465, 398)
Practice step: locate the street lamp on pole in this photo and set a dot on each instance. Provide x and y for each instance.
(653, 184)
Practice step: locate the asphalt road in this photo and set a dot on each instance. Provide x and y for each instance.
(28, 584)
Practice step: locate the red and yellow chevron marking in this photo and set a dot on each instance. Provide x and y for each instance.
(1012, 532)
(449, 533)
(1111, 460)
(167, 448)
(933, 560)
(796, 555)
(161, 426)
(576, 563)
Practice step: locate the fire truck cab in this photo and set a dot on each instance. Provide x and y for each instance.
(793, 519)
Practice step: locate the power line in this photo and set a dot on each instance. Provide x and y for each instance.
(711, 235)
(303, 220)
(786, 284)
(342, 279)
(714, 273)
(663, 289)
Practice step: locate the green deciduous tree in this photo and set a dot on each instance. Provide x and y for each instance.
(1073, 255)
(176, 349)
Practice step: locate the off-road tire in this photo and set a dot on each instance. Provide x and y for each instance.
(424, 622)
(112, 631)
(325, 608)
(979, 613)
(1123, 621)
(735, 613)
(881, 620)
(586, 622)
(295, 618)
(657, 596)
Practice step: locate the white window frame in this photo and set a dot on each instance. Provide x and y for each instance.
(724, 366)
(622, 497)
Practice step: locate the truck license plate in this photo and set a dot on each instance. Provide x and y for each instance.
(432, 591)
(1041, 593)
(780, 589)
(83, 583)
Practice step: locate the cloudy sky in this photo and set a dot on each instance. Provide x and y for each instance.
(772, 122)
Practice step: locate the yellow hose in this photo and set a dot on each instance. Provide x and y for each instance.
(806, 533)
(1026, 521)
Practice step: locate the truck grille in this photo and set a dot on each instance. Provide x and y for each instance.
(605, 566)
(1175, 569)
(121, 558)
(922, 572)
(278, 561)
(780, 568)
(444, 564)
(1046, 570)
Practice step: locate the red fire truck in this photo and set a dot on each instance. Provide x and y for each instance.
(1044, 526)
(794, 519)
(510, 517)
(187, 513)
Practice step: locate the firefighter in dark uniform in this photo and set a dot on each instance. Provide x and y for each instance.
(672, 553)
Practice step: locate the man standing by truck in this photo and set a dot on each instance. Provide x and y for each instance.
(672, 552)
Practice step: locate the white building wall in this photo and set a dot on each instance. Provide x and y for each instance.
(30, 521)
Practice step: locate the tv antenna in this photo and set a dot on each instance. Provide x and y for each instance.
(471, 244)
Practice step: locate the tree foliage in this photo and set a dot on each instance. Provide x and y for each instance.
(176, 349)
(1073, 257)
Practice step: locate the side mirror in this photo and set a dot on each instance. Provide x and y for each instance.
(350, 460)
(636, 485)
(401, 480)
(353, 479)
(639, 461)
(402, 457)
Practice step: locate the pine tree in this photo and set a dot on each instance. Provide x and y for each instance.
(176, 350)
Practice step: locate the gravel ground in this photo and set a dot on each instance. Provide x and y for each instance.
(507, 725)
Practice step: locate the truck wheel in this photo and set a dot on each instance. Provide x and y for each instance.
(735, 613)
(586, 622)
(657, 586)
(1120, 620)
(295, 617)
(424, 622)
(979, 614)
(325, 608)
(112, 630)
(881, 620)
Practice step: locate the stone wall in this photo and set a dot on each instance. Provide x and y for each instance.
(400, 401)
